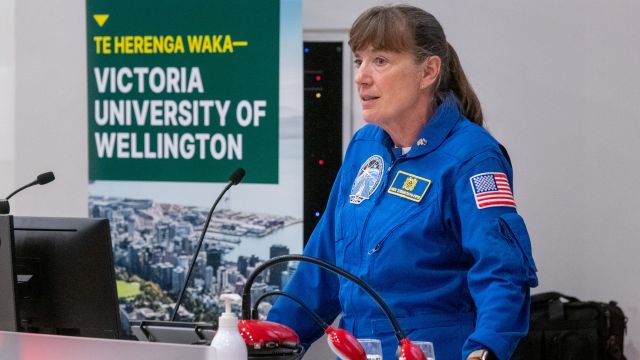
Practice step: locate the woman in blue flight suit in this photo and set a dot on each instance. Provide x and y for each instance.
(422, 208)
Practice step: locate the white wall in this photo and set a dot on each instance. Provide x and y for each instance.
(559, 86)
(7, 153)
(51, 106)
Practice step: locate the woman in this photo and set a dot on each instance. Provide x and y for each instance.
(422, 208)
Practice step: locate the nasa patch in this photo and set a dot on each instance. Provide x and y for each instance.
(368, 179)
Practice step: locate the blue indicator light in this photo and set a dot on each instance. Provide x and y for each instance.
(317, 213)
(306, 50)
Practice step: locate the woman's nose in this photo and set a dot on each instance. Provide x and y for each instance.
(362, 76)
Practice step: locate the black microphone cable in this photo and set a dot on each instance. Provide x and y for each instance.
(323, 324)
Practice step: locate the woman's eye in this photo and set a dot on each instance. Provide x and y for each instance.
(357, 63)
(380, 61)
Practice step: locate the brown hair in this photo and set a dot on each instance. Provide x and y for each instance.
(405, 28)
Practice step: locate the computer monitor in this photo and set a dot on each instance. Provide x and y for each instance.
(65, 282)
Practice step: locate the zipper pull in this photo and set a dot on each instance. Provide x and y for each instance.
(376, 248)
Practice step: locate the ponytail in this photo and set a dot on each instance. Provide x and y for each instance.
(458, 83)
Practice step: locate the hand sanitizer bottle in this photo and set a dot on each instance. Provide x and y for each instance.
(228, 342)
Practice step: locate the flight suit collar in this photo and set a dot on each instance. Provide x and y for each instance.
(435, 131)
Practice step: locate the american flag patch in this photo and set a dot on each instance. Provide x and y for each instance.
(492, 189)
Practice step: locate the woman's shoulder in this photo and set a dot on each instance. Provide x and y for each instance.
(467, 140)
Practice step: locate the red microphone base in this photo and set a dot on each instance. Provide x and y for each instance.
(410, 351)
(345, 345)
(259, 335)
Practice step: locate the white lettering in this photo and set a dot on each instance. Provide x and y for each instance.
(104, 144)
(243, 107)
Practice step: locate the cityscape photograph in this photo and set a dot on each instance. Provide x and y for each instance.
(154, 243)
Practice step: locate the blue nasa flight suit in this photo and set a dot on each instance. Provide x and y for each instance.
(454, 272)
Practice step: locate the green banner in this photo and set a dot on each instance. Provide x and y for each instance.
(183, 93)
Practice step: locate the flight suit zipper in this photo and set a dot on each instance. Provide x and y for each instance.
(378, 246)
(377, 200)
(383, 185)
(366, 220)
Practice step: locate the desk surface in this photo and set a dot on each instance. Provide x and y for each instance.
(23, 346)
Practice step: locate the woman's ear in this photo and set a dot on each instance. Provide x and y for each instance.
(430, 71)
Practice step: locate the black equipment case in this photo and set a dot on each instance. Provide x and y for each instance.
(565, 328)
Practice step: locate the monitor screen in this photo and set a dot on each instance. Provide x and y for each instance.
(65, 281)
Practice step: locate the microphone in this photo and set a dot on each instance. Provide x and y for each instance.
(42, 179)
(45, 178)
(406, 349)
(237, 176)
(234, 179)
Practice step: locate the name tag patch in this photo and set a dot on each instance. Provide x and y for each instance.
(409, 186)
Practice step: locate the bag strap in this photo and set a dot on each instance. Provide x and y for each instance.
(552, 295)
(553, 301)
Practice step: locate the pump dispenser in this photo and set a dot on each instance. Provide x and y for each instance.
(228, 342)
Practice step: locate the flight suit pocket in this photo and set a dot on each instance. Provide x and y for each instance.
(513, 229)
(344, 237)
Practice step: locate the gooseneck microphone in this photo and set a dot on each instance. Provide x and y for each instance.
(234, 179)
(41, 179)
(406, 349)
(246, 293)
(340, 341)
